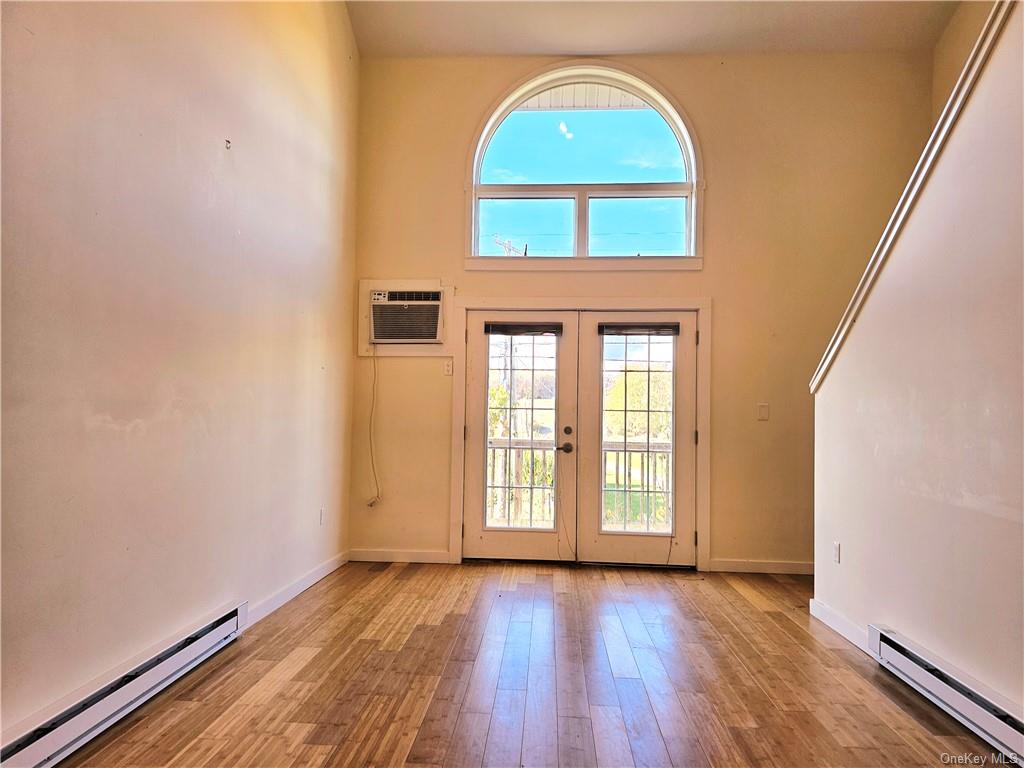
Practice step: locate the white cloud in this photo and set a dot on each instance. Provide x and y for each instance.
(505, 176)
(564, 129)
(649, 160)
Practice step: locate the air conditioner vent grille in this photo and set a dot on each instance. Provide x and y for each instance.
(400, 322)
(414, 295)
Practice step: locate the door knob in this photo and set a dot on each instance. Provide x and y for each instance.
(567, 447)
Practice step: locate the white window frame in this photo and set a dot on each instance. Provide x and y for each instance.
(582, 194)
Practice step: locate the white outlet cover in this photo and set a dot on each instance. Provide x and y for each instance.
(835, 551)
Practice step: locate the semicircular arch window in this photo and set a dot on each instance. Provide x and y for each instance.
(585, 169)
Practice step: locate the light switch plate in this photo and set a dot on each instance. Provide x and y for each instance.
(762, 411)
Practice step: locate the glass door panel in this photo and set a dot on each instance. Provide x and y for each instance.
(520, 497)
(637, 393)
(522, 381)
(638, 442)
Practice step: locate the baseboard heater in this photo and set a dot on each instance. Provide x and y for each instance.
(984, 712)
(47, 744)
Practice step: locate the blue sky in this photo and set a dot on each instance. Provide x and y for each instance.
(579, 147)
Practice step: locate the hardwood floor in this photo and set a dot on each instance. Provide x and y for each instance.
(508, 664)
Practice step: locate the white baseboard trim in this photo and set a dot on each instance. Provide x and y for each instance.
(832, 619)
(54, 739)
(246, 619)
(265, 607)
(759, 566)
(50, 711)
(398, 555)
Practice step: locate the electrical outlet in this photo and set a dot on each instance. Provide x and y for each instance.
(449, 366)
(835, 551)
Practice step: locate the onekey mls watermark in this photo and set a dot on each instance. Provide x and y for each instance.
(973, 758)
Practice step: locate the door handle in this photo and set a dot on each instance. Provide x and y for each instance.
(566, 447)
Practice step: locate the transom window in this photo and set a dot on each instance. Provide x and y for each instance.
(584, 163)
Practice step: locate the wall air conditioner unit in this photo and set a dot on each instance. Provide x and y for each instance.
(406, 317)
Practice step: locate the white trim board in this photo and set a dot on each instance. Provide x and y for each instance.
(398, 555)
(268, 605)
(760, 566)
(585, 264)
(582, 303)
(834, 620)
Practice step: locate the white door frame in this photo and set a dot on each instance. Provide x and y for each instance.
(458, 315)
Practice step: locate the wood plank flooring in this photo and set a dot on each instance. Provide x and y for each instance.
(516, 664)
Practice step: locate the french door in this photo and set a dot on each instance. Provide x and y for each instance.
(580, 431)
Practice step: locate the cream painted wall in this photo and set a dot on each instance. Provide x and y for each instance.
(176, 351)
(953, 48)
(804, 157)
(918, 424)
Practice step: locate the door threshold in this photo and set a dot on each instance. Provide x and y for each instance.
(580, 563)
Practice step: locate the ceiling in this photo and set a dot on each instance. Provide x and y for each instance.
(498, 27)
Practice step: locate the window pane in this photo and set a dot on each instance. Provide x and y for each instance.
(637, 226)
(583, 133)
(543, 508)
(521, 432)
(543, 424)
(614, 428)
(614, 353)
(526, 226)
(521, 425)
(660, 391)
(545, 352)
(544, 389)
(521, 463)
(520, 507)
(497, 422)
(613, 518)
(637, 415)
(497, 506)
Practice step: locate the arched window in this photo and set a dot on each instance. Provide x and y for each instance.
(585, 163)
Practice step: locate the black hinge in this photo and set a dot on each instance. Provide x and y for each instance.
(695, 538)
(465, 431)
(463, 530)
(698, 338)
(696, 437)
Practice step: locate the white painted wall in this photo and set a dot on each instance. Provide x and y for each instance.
(177, 351)
(918, 457)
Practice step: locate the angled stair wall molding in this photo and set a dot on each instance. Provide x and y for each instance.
(933, 148)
